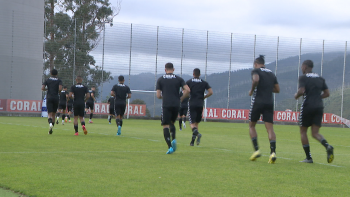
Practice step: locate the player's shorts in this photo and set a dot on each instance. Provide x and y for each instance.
(196, 114)
(62, 106)
(52, 104)
(89, 105)
(79, 109)
(169, 115)
(69, 108)
(119, 109)
(183, 111)
(258, 109)
(111, 111)
(310, 116)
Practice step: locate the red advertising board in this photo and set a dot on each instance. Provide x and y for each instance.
(134, 109)
(32, 106)
(3, 103)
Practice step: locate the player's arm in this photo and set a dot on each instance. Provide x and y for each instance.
(129, 96)
(276, 88)
(159, 94)
(70, 95)
(43, 88)
(210, 92)
(301, 89)
(325, 93)
(158, 88)
(60, 88)
(93, 96)
(255, 82)
(186, 92)
(112, 93)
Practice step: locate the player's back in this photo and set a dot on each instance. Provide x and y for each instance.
(184, 103)
(267, 80)
(170, 84)
(314, 85)
(197, 87)
(53, 84)
(91, 100)
(79, 92)
(63, 96)
(121, 92)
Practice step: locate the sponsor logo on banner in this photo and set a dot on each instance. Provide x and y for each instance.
(3, 103)
(134, 109)
(31, 106)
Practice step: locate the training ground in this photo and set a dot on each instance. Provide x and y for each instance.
(34, 163)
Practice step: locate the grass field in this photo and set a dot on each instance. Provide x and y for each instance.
(135, 164)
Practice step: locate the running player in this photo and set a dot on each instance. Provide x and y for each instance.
(80, 92)
(62, 104)
(263, 85)
(196, 103)
(69, 108)
(183, 112)
(314, 89)
(54, 85)
(90, 103)
(168, 89)
(121, 92)
(111, 108)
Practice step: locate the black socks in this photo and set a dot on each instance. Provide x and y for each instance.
(83, 123)
(194, 134)
(273, 146)
(306, 148)
(63, 116)
(324, 143)
(76, 128)
(118, 122)
(91, 114)
(255, 143)
(172, 131)
(68, 117)
(180, 123)
(49, 120)
(167, 136)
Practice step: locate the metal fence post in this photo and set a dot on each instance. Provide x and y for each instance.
(229, 77)
(206, 57)
(75, 43)
(155, 76)
(182, 48)
(342, 88)
(297, 103)
(322, 58)
(254, 48)
(130, 54)
(274, 95)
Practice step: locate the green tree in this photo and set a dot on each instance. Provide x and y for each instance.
(139, 101)
(75, 26)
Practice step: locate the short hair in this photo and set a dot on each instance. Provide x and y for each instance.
(79, 78)
(121, 78)
(64, 87)
(196, 72)
(169, 65)
(260, 59)
(308, 63)
(93, 86)
(54, 72)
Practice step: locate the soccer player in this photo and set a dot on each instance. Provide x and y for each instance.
(183, 112)
(196, 102)
(62, 104)
(80, 92)
(111, 108)
(69, 108)
(54, 85)
(314, 89)
(91, 102)
(168, 89)
(264, 83)
(121, 92)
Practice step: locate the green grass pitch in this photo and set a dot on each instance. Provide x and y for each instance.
(135, 164)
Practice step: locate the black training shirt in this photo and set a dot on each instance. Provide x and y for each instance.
(91, 100)
(263, 92)
(121, 91)
(314, 85)
(63, 97)
(184, 103)
(111, 102)
(170, 84)
(52, 84)
(197, 87)
(79, 92)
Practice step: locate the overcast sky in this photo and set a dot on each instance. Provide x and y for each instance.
(289, 19)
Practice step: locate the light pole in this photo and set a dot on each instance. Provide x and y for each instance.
(110, 21)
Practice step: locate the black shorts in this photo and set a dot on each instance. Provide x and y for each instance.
(119, 109)
(259, 109)
(310, 116)
(52, 104)
(69, 108)
(79, 109)
(183, 111)
(111, 111)
(62, 106)
(89, 105)
(169, 115)
(195, 114)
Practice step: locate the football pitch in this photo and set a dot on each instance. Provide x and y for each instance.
(135, 164)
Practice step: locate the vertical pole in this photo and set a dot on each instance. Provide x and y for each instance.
(130, 54)
(205, 110)
(103, 57)
(75, 43)
(342, 88)
(297, 103)
(12, 43)
(128, 114)
(182, 48)
(278, 43)
(229, 77)
(254, 47)
(155, 76)
(322, 58)
(206, 57)
(43, 79)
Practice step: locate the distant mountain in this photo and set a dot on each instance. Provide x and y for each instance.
(240, 83)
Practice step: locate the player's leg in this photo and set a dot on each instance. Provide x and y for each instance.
(268, 119)
(193, 118)
(174, 113)
(118, 111)
(184, 118)
(254, 116)
(50, 115)
(166, 120)
(82, 122)
(69, 112)
(58, 114)
(63, 115)
(180, 119)
(91, 106)
(305, 144)
(76, 116)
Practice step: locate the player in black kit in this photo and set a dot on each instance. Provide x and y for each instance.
(263, 85)
(80, 93)
(111, 108)
(121, 92)
(183, 112)
(168, 89)
(62, 104)
(69, 108)
(54, 85)
(314, 89)
(196, 103)
(91, 102)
